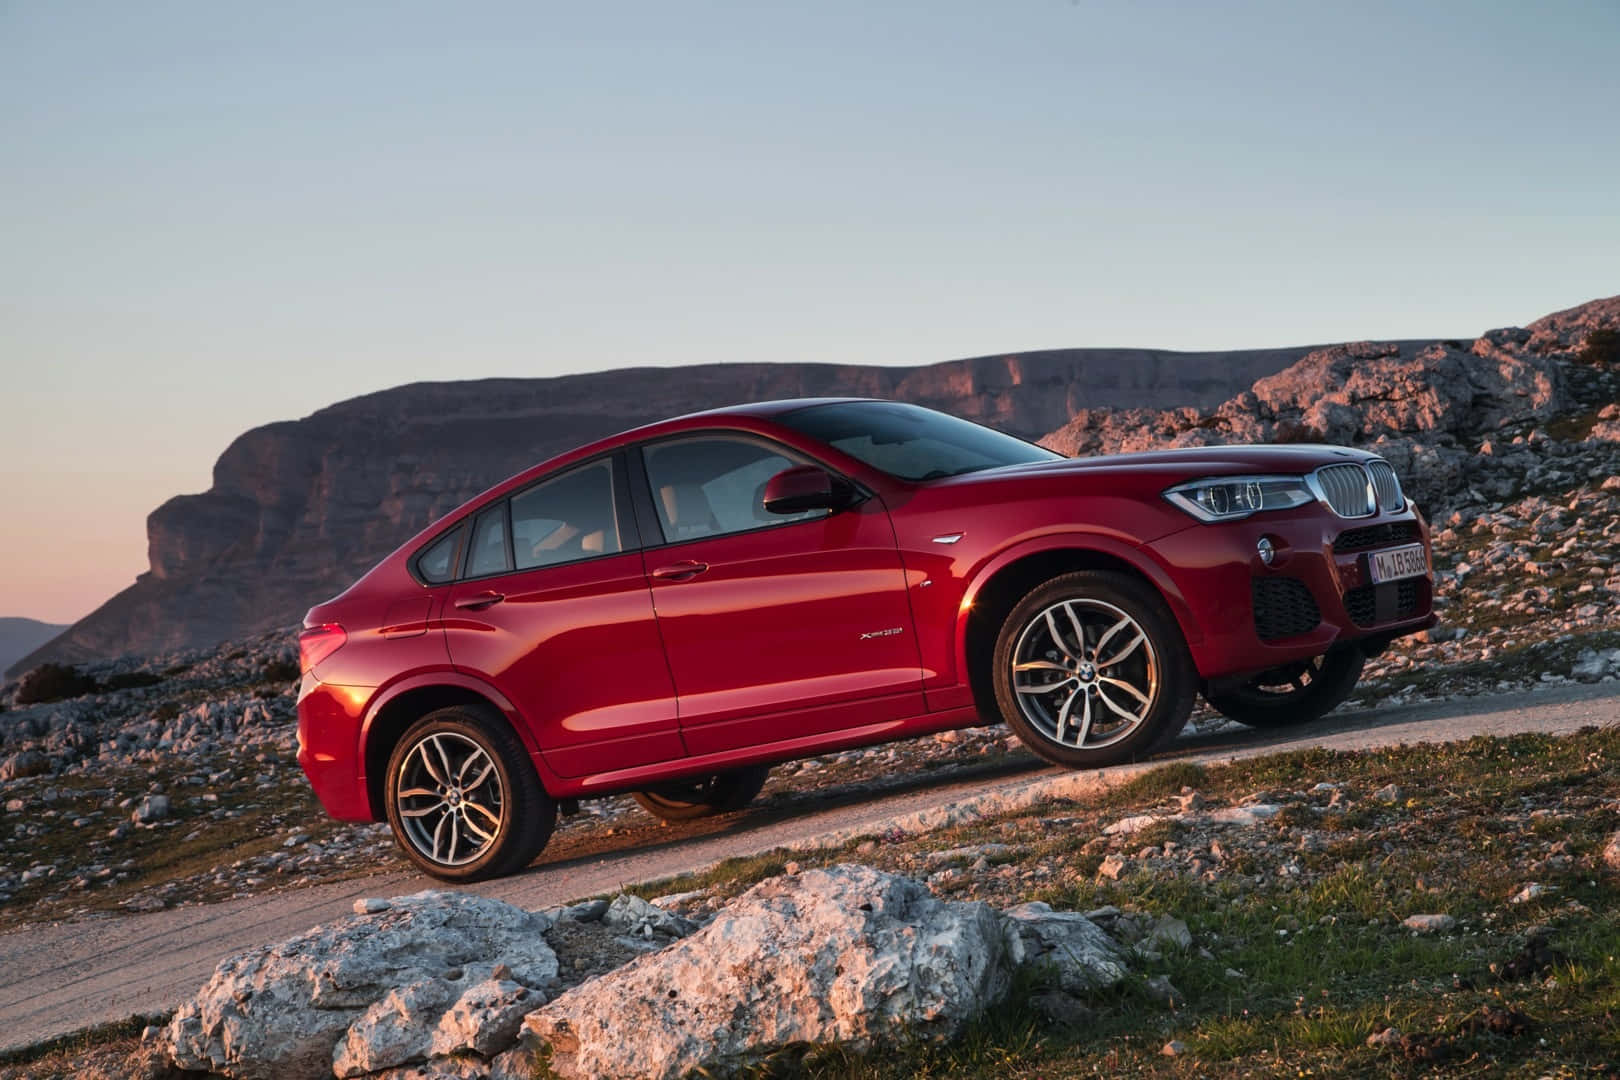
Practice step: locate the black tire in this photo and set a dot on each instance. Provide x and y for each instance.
(704, 796)
(507, 800)
(1292, 694)
(1094, 669)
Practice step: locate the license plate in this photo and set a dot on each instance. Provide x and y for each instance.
(1397, 563)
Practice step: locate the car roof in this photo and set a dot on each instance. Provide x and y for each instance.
(755, 410)
(766, 408)
(760, 410)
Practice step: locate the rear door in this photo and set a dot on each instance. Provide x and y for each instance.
(775, 627)
(553, 609)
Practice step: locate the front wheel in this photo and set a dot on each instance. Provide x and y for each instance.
(1091, 669)
(462, 798)
(704, 796)
(1294, 693)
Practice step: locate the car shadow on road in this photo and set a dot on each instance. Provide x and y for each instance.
(649, 836)
(1387, 716)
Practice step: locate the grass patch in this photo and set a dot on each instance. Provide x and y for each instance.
(1158, 784)
(58, 1056)
(734, 874)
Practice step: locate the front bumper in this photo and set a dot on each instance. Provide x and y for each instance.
(1316, 594)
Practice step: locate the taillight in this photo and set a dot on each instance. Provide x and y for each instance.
(317, 643)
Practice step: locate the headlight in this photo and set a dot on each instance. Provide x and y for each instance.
(1228, 498)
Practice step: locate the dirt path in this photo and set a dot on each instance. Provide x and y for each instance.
(59, 978)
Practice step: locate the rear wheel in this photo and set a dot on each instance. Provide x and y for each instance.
(1091, 670)
(1294, 693)
(704, 796)
(463, 799)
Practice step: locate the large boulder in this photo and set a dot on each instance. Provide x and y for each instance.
(843, 955)
(420, 976)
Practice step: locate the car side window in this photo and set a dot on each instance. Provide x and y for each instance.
(714, 485)
(567, 518)
(489, 554)
(438, 563)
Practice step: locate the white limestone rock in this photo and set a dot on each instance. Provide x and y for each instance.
(635, 916)
(394, 1031)
(841, 955)
(1078, 953)
(280, 1011)
(485, 1018)
(481, 1012)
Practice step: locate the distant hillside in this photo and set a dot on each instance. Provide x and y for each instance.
(299, 509)
(19, 637)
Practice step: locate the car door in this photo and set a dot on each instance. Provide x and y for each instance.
(776, 627)
(553, 608)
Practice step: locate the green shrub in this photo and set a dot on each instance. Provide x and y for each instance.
(53, 682)
(281, 671)
(131, 680)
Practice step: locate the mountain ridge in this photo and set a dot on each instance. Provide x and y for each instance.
(20, 636)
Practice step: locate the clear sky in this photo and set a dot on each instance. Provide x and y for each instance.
(215, 215)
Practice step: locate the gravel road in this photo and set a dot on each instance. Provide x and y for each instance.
(58, 978)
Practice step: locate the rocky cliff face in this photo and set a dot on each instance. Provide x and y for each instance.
(299, 509)
(1425, 407)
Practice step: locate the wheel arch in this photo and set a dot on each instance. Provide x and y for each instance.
(1009, 577)
(392, 712)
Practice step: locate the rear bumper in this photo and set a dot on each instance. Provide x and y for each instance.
(1317, 593)
(329, 720)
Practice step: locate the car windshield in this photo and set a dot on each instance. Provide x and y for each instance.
(910, 442)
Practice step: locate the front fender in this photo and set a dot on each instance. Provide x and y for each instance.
(1139, 558)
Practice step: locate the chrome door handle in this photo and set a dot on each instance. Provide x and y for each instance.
(681, 571)
(480, 601)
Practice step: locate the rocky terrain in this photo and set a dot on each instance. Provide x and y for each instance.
(141, 783)
(857, 956)
(300, 509)
(1312, 913)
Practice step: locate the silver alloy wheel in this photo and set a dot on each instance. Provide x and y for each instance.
(1085, 674)
(450, 799)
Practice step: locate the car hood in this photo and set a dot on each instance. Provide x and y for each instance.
(1291, 459)
(1296, 457)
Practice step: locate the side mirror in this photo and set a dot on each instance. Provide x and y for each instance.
(807, 487)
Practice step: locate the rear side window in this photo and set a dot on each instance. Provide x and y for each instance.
(567, 518)
(489, 553)
(437, 564)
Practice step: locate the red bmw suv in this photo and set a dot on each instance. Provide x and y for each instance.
(669, 611)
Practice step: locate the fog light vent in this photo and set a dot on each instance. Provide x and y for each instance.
(1283, 607)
